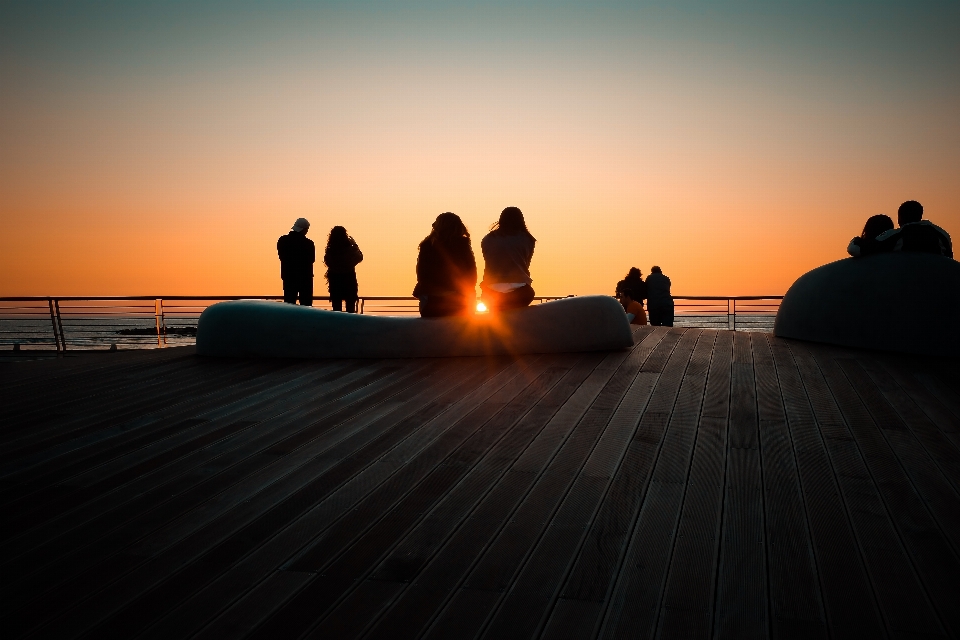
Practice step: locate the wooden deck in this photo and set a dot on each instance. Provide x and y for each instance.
(703, 484)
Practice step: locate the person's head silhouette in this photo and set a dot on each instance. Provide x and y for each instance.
(302, 225)
(876, 225)
(909, 211)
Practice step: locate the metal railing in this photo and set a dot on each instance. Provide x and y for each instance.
(56, 324)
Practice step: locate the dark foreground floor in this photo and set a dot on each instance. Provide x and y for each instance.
(702, 484)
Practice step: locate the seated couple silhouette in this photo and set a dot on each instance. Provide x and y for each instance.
(447, 268)
(913, 235)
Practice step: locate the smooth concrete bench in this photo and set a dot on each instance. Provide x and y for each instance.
(907, 302)
(257, 328)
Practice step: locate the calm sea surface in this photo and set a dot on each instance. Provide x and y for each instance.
(141, 333)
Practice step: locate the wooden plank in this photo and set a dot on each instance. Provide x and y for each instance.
(568, 526)
(114, 431)
(406, 559)
(363, 535)
(935, 477)
(688, 594)
(929, 403)
(242, 462)
(942, 392)
(498, 567)
(259, 490)
(850, 607)
(742, 606)
(526, 607)
(392, 431)
(796, 609)
(179, 563)
(129, 467)
(907, 480)
(78, 442)
(82, 382)
(128, 399)
(253, 609)
(290, 404)
(902, 598)
(429, 588)
(76, 365)
(936, 443)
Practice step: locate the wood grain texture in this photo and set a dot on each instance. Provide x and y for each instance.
(699, 484)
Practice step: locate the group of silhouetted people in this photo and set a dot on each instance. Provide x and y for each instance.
(446, 266)
(447, 269)
(633, 290)
(297, 254)
(912, 235)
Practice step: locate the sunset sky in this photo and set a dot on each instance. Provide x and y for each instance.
(161, 148)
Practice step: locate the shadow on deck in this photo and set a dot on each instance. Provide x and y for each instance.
(703, 484)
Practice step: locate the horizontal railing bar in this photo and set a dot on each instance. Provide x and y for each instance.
(280, 297)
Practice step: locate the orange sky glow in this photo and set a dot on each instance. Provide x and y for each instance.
(733, 160)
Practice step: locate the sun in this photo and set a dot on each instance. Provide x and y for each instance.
(481, 308)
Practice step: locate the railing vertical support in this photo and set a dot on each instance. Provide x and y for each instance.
(734, 314)
(361, 306)
(53, 323)
(63, 336)
(161, 324)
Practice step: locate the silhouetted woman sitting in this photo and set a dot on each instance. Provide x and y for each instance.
(634, 308)
(866, 243)
(507, 251)
(446, 270)
(631, 292)
(342, 256)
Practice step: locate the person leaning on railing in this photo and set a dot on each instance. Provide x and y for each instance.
(507, 252)
(446, 269)
(342, 256)
(659, 300)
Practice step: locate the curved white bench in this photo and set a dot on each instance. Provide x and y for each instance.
(257, 328)
(907, 302)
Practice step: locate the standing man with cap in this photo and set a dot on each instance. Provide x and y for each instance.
(297, 255)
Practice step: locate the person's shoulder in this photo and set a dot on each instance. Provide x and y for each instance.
(937, 228)
(890, 233)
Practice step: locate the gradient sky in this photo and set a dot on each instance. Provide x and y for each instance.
(161, 148)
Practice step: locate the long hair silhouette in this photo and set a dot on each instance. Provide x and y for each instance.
(338, 239)
(511, 223)
(447, 229)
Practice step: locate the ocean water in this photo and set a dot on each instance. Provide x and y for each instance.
(141, 333)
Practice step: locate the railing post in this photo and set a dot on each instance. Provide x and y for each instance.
(361, 301)
(734, 314)
(161, 325)
(53, 323)
(63, 336)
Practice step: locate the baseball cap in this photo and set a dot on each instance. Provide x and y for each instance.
(302, 224)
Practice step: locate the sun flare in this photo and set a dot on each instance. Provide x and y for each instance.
(481, 308)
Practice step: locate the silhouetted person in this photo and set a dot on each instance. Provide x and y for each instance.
(633, 282)
(916, 234)
(507, 251)
(633, 308)
(866, 243)
(659, 300)
(297, 255)
(342, 256)
(446, 269)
